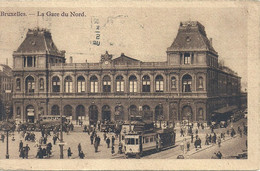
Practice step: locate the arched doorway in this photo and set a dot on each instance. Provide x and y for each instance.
(68, 111)
(106, 113)
(30, 113)
(132, 112)
(55, 110)
(187, 113)
(80, 112)
(147, 113)
(93, 114)
(159, 113)
(119, 113)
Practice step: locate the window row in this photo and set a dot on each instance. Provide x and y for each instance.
(106, 84)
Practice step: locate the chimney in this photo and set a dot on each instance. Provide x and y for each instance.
(210, 40)
(6, 61)
(71, 60)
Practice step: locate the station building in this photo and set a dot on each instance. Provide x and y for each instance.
(188, 85)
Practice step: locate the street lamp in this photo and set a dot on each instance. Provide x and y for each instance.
(7, 126)
(61, 134)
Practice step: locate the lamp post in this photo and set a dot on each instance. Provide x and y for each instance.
(61, 134)
(7, 126)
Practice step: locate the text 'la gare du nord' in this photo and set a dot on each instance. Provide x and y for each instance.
(61, 14)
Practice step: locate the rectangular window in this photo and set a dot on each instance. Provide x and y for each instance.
(187, 58)
(122, 86)
(79, 87)
(131, 86)
(118, 86)
(96, 87)
(135, 86)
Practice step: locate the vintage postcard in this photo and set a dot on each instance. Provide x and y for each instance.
(118, 85)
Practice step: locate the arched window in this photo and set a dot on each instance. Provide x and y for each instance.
(200, 114)
(67, 110)
(41, 84)
(120, 83)
(173, 83)
(68, 84)
(159, 83)
(186, 83)
(55, 110)
(132, 84)
(30, 85)
(146, 83)
(201, 82)
(147, 113)
(133, 111)
(56, 84)
(106, 84)
(81, 84)
(18, 112)
(93, 84)
(18, 83)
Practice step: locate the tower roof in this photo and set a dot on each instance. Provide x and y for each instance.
(191, 37)
(39, 41)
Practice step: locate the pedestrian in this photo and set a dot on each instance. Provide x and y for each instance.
(182, 132)
(219, 141)
(108, 142)
(26, 150)
(207, 139)
(192, 137)
(188, 146)
(20, 145)
(79, 148)
(96, 146)
(228, 132)
(54, 139)
(22, 153)
(120, 148)
(113, 149)
(91, 138)
(39, 153)
(69, 152)
(3, 138)
(219, 155)
(98, 140)
(199, 142)
(113, 140)
(45, 140)
(105, 136)
(81, 155)
(196, 144)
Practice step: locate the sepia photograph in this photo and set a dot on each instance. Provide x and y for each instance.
(124, 84)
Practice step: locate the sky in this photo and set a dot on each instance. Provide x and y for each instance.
(142, 33)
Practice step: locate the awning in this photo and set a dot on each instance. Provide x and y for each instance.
(225, 109)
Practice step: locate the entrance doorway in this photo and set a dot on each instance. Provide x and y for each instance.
(30, 113)
(106, 113)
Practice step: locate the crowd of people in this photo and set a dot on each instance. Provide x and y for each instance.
(211, 138)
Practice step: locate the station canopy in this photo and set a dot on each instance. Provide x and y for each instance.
(226, 109)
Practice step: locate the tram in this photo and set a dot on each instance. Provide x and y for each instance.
(138, 142)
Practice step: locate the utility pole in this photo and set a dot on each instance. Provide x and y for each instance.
(61, 134)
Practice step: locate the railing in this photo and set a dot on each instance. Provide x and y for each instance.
(105, 94)
(98, 65)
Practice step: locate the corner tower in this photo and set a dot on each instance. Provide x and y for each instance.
(191, 46)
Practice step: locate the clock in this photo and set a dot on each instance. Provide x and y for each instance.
(106, 62)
